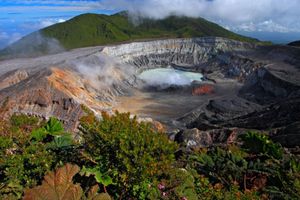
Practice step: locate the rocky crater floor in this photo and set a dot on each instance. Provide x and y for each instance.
(244, 87)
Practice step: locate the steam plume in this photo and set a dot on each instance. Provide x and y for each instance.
(103, 71)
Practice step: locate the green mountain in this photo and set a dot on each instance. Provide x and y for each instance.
(95, 29)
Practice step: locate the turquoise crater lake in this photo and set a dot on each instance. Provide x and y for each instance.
(165, 77)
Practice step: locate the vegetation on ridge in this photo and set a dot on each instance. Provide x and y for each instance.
(120, 158)
(95, 29)
(98, 29)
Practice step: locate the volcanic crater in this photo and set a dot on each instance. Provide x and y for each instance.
(231, 87)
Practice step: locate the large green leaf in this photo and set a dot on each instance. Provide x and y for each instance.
(39, 134)
(100, 177)
(61, 141)
(54, 126)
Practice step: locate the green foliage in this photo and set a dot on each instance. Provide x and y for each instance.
(130, 161)
(130, 151)
(25, 157)
(220, 165)
(100, 177)
(261, 144)
(22, 166)
(260, 167)
(38, 134)
(19, 120)
(54, 127)
(61, 141)
(93, 29)
(178, 184)
(207, 191)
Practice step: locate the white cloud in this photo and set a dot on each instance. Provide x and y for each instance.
(264, 26)
(8, 38)
(40, 23)
(3, 35)
(251, 15)
(49, 22)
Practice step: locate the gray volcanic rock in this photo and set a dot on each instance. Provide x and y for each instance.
(196, 54)
(195, 138)
(218, 111)
(178, 51)
(268, 84)
(276, 115)
(12, 77)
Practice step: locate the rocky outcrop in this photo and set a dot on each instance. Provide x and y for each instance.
(218, 111)
(12, 77)
(51, 92)
(269, 84)
(195, 138)
(40, 99)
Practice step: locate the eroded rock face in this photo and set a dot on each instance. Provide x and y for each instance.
(186, 52)
(12, 77)
(206, 54)
(268, 84)
(42, 99)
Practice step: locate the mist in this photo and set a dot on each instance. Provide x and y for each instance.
(33, 45)
(103, 71)
(232, 14)
(163, 78)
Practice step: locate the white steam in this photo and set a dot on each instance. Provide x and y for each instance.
(166, 77)
(103, 72)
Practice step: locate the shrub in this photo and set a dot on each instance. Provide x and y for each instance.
(22, 166)
(178, 183)
(129, 160)
(259, 169)
(19, 120)
(131, 152)
(260, 144)
(25, 158)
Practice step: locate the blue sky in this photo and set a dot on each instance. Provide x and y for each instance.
(264, 19)
(19, 18)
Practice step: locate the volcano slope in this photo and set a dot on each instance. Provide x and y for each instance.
(244, 87)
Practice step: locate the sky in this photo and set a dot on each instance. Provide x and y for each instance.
(275, 20)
